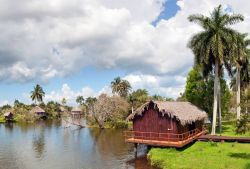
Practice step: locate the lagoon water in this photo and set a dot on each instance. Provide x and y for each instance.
(48, 145)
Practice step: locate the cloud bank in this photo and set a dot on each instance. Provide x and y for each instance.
(41, 40)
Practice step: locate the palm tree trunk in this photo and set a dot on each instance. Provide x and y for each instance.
(219, 106)
(238, 92)
(216, 81)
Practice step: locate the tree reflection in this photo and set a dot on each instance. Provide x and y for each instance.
(39, 141)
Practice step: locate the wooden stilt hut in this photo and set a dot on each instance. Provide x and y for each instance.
(38, 111)
(163, 123)
(76, 112)
(8, 116)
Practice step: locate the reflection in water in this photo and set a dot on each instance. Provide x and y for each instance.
(39, 142)
(49, 145)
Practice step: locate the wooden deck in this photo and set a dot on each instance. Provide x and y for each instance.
(163, 139)
(223, 138)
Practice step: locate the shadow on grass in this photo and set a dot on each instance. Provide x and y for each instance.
(241, 155)
(247, 166)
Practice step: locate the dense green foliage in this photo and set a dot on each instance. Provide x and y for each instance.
(243, 124)
(138, 97)
(203, 155)
(199, 91)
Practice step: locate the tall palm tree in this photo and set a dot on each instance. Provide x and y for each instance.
(211, 45)
(120, 87)
(240, 60)
(37, 94)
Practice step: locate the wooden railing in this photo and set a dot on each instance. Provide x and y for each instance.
(160, 136)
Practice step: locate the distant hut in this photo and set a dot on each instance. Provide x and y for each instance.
(8, 116)
(164, 123)
(76, 112)
(39, 112)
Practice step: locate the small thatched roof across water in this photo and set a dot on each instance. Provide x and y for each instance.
(185, 112)
(37, 109)
(76, 109)
(7, 114)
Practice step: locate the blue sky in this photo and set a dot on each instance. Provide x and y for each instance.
(78, 47)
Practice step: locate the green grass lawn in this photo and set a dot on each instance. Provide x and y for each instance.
(203, 155)
(228, 129)
(2, 120)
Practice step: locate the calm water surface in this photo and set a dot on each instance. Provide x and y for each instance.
(48, 145)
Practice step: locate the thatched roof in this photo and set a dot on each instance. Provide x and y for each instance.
(185, 112)
(7, 114)
(37, 109)
(76, 109)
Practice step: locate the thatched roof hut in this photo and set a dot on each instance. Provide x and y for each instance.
(8, 115)
(39, 112)
(37, 109)
(76, 110)
(185, 112)
(165, 123)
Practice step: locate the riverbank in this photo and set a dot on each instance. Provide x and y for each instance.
(207, 155)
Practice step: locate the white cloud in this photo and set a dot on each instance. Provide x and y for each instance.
(70, 95)
(45, 39)
(168, 86)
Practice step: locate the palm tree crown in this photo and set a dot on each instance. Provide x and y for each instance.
(120, 87)
(37, 94)
(213, 43)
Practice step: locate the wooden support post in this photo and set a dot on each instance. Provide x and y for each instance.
(135, 149)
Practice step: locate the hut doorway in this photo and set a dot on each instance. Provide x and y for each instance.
(191, 126)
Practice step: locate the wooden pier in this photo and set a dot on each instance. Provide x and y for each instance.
(215, 138)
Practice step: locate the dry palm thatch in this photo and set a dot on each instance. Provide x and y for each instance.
(185, 112)
(76, 110)
(37, 109)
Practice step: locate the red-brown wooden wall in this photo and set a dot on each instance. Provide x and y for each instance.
(152, 121)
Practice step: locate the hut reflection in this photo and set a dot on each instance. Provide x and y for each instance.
(110, 142)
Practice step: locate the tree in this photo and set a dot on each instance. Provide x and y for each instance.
(64, 101)
(200, 92)
(246, 100)
(240, 60)
(211, 46)
(120, 87)
(138, 97)
(108, 108)
(90, 101)
(37, 94)
(80, 100)
(157, 97)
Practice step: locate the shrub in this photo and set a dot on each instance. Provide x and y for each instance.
(243, 125)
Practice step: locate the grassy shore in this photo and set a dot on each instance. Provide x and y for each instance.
(2, 120)
(228, 129)
(207, 155)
